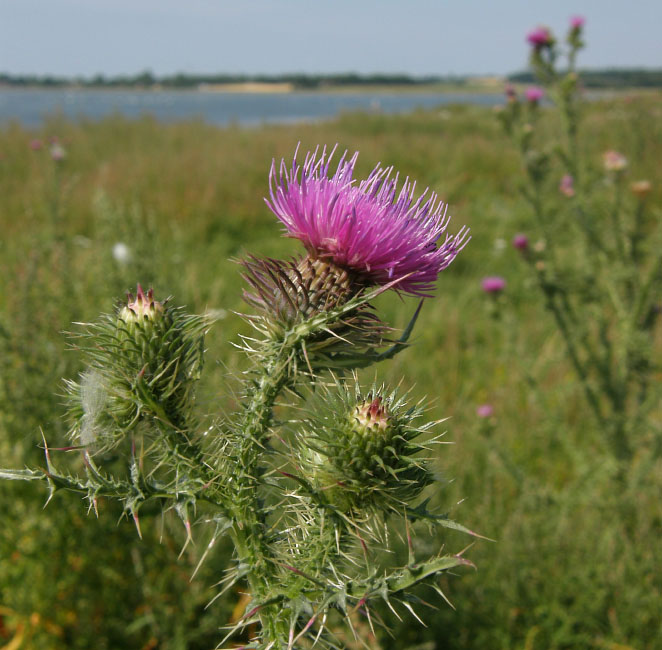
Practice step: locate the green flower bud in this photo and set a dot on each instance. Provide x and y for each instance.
(363, 450)
(143, 366)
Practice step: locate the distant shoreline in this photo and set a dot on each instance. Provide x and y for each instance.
(349, 82)
(276, 88)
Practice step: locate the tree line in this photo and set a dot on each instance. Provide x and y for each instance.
(599, 78)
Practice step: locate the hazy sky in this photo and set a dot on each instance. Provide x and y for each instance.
(71, 37)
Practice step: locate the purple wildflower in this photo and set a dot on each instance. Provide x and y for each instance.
(520, 242)
(36, 144)
(485, 411)
(567, 185)
(540, 37)
(534, 94)
(577, 22)
(493, 284)
(370, 229)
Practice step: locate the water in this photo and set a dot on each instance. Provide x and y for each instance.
(32, 106)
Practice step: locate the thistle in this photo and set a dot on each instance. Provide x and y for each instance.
(601, 262)
(356, 458)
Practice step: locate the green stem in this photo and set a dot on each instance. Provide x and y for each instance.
(249, 528)
(562, 324)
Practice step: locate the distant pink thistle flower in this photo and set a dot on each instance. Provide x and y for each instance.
(511, 93)
(540, 37)
(567, 185)
(534, 94)
(371, 230)
(485, 411)
(614, 161)
(493, 284)
(520, 242)
(577, 22)
(36, 144)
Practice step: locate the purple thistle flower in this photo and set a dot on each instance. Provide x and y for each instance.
(493, 284)
(370, 229)
(485, 411)
(567, 185)
(540, 37)
(520, 242)
(577, 22)
(534, 94)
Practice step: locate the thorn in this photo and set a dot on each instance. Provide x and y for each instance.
(46, 452)
(306, 627)
(189, 537)
(51, 492)
(136, 521)
(413, 613)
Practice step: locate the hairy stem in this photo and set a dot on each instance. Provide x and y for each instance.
(249, 528)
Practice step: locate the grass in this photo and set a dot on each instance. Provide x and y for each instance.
(575, 561)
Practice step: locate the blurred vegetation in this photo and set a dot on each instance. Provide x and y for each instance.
(575, 562)
(300, 81)
(608, 78)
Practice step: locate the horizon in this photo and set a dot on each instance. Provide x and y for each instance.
(278, 76)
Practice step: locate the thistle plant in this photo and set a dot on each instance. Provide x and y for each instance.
(597, 260)
(311, 504)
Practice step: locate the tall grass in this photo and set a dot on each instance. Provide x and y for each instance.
(574, 563)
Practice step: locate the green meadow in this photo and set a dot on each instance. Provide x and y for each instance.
(573, 558)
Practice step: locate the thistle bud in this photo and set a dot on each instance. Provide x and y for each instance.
(144, 309)
(362, 450)
(145, 360)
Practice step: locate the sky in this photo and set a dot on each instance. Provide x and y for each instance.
(417, 37)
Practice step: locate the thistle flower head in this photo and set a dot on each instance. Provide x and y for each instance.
(378, 234)
(540, 37)
(493, 284)
(520, 242)
(485, 411)
(567, 185)
(614, 161)
(577, 22)
(534, 94)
